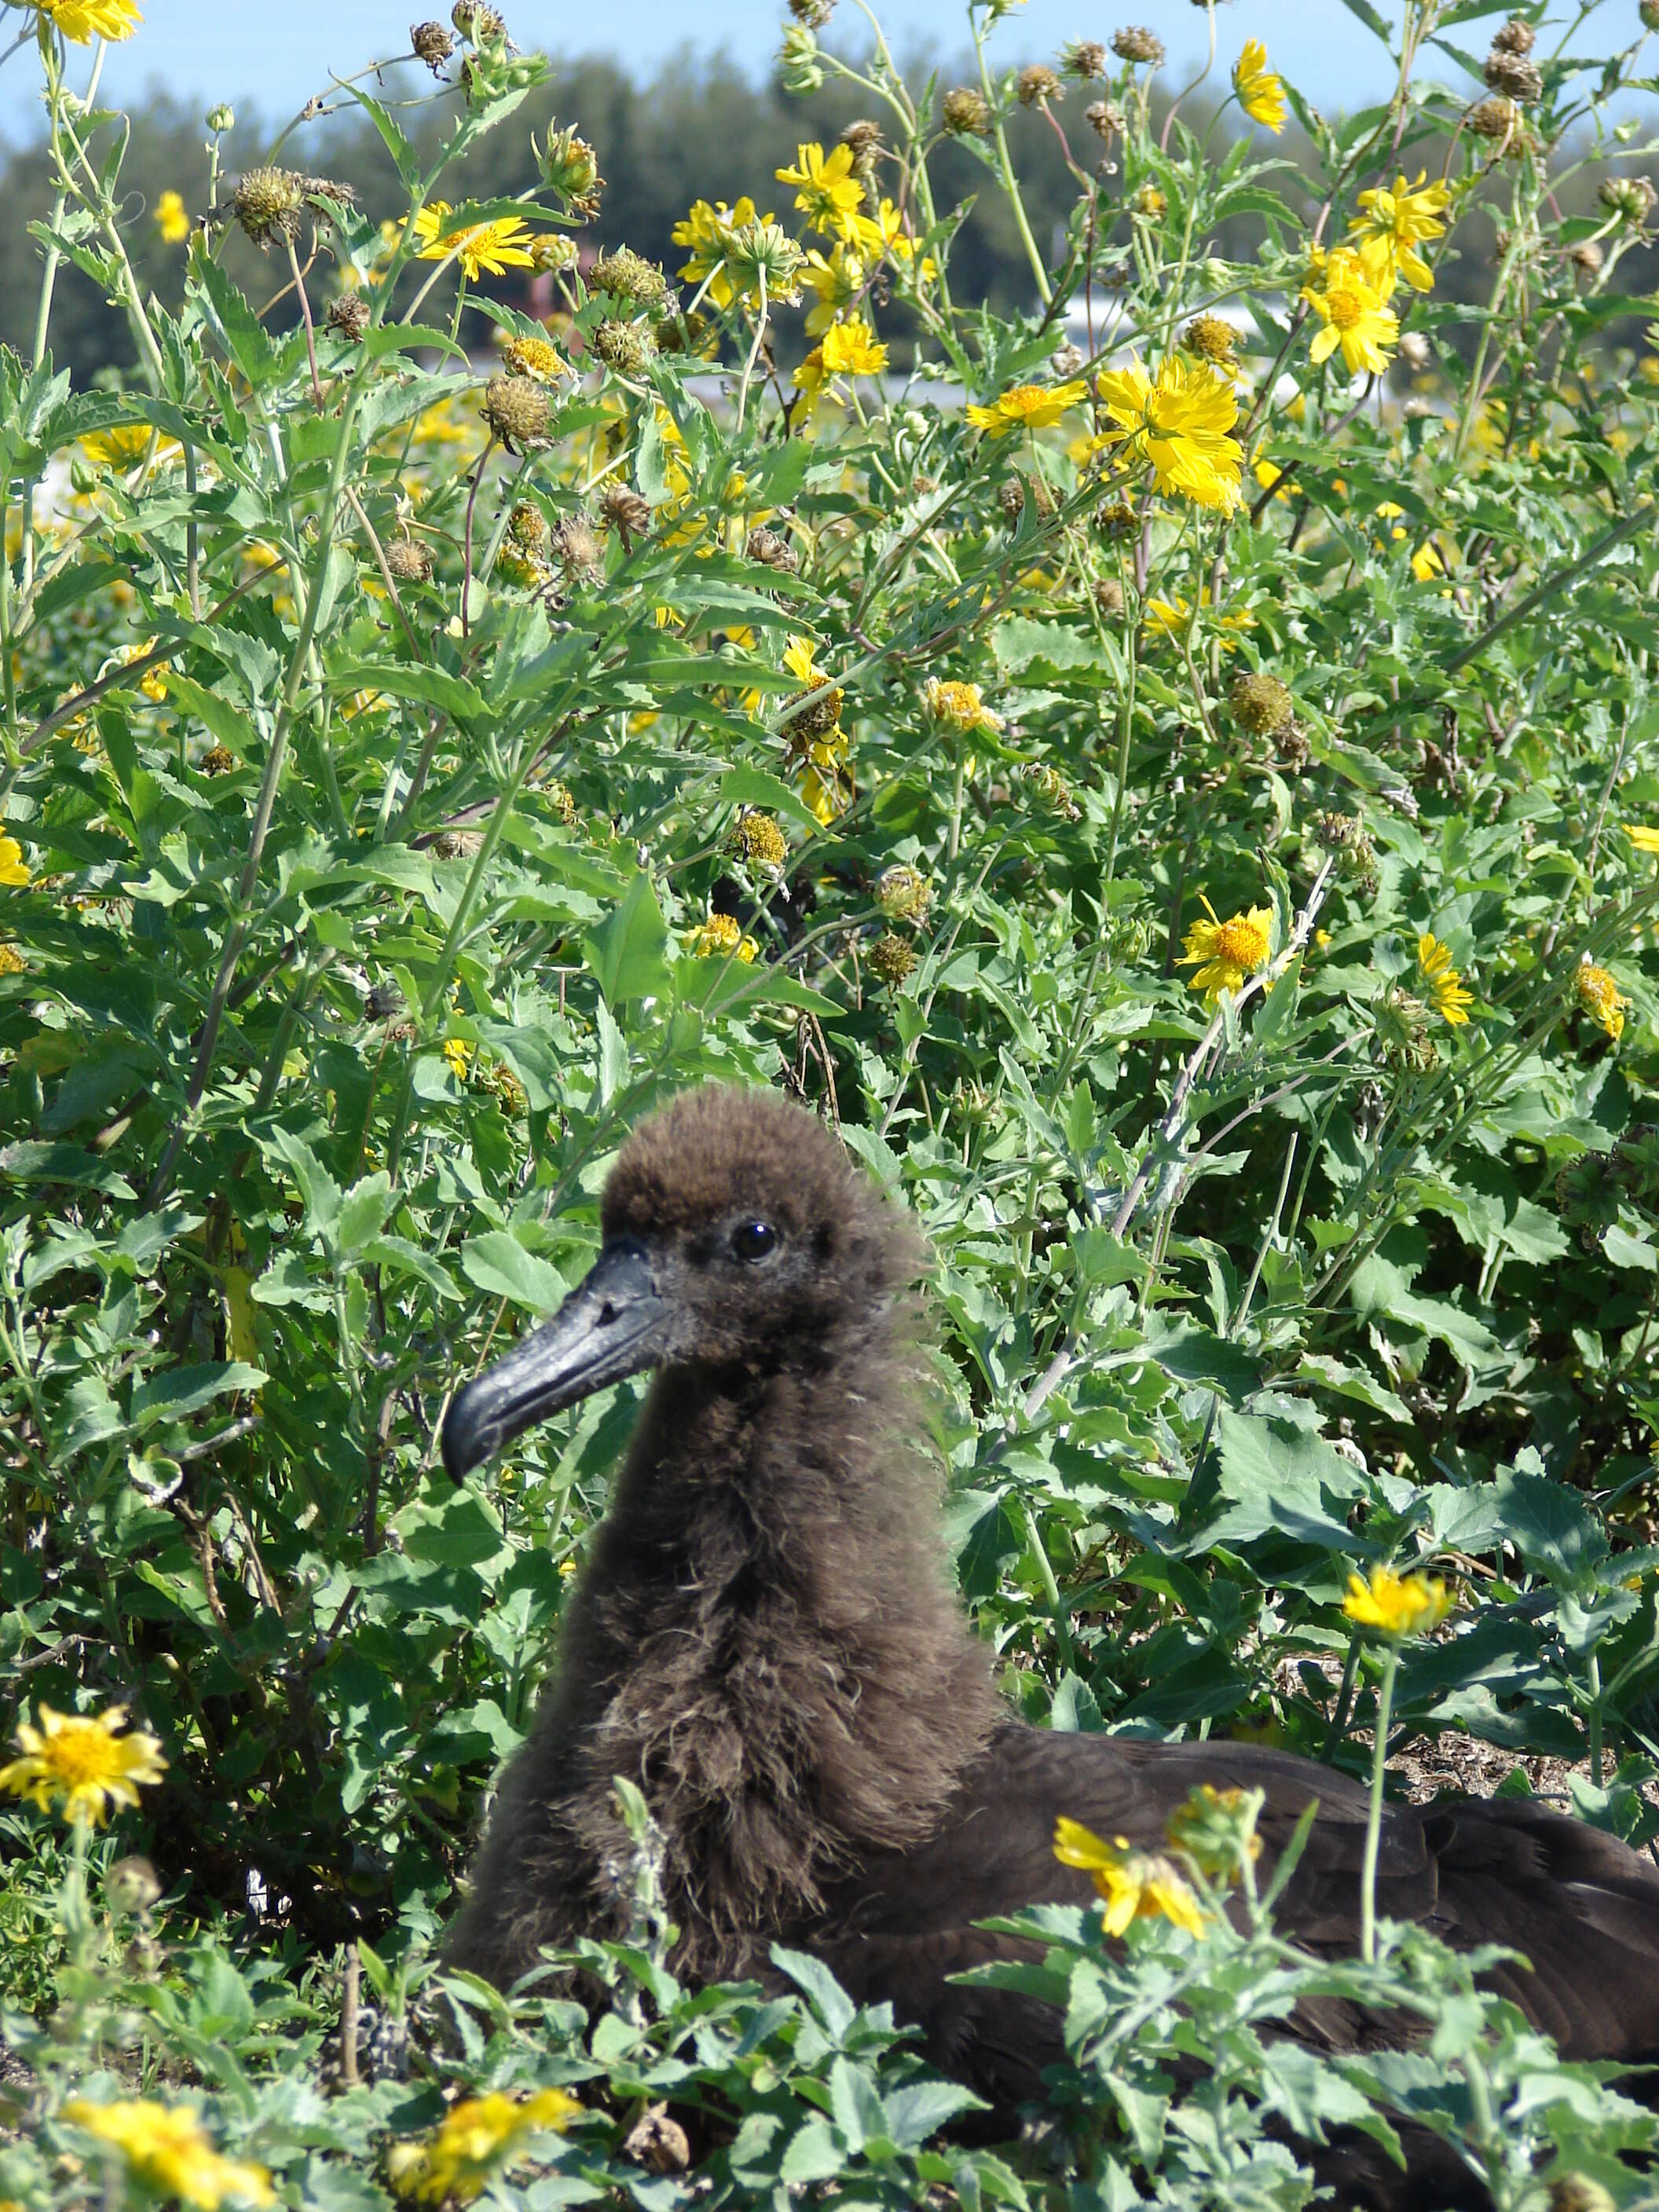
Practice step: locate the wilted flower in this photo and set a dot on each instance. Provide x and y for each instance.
(1400, 1605)
(959, 705)
(1136, 1885)
(85, 1765)
(1601, 998)
(624, 347)
(1513, 76)
(1496, 118)
(432, 45)
(267, 204)
(535, 357)
(1225, 952)
(626, 511)
(757, 838)
(773, 551)
(903, 892)
(1213, 339)
(1086, 59)
(627, 276)
(1440, 982)
(348, 317)
(167, 2148)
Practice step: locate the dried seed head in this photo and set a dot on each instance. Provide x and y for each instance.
(657, 2142)
(409, 563)
(1108, 597)
(535, 358)
(477, 22)
(625, 511)
(814, 14)
(219, 761)
(1516, 37)
(266, 203)
(1064, 361)
(1415, 350)
(1116, 521)
(1495, 118)
(1049, 785)
(1086, 59)
(1135, 43)
(773, 551)
(624, 347)
(577, 545)
(457, 844)
(966, 113)
(526, 527)
(348, 316)
(903, 893)
(814, 722)
(1037, 83)
(1338, 833)
(1011, 498)
(863, 141)
(1212, 337)
(1106, 119)
(626, 275)
(1259, 704)
(1631, 197)
(1514, 75)
(757, 839)
(1585, 257)
(893, 959)
(515, 409)
(315, 189)
(433, 44)
(550, 250)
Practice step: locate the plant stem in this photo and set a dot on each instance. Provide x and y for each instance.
(1374, 1821)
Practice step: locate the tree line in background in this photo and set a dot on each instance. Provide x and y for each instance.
(659, 143)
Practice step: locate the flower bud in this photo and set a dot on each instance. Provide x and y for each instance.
(221, 117)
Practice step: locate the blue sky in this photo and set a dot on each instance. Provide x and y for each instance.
(279, 51)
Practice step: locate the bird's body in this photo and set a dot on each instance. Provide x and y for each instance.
(763, 1641)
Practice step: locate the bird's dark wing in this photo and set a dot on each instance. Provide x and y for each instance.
(1581, 1906)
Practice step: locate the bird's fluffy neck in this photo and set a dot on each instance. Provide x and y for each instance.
(765, 1641)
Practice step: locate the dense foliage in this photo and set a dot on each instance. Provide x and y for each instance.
(1186, 812)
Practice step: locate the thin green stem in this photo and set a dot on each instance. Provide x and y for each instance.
(1373, 1818)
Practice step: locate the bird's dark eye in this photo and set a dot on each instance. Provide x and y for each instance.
(754, 1240)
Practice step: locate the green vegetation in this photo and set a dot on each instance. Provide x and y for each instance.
(1189, 819)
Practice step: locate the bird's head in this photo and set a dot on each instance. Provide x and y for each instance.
(737, 1234)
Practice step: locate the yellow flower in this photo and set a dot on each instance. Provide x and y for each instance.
(706, 233)
(852, 349)
(1440, 982)
(959, 705)
(1600, 997)
(82, 20)
(486, 249)
(475, 2137)
(1225, 952)
(85, 1765)
(14, 868)
(1400, 1605)
(166, 2147)
(1260, 94)
(123, 444)
(1395, 223)
(1180, 424)
(1136, 1885)
(1428, 561)
(12, 962)
(835, 282)
(800, 658)
(829, 195)
(1169, 617)
(1351, 309)
(171, 219)
(534, 357)
(458, 1058)
(1645, 840)
(883, 236)
(1215, 1829)
(1027, 407)
(720, 937)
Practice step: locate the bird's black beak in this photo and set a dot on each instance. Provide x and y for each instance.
(609, 1326)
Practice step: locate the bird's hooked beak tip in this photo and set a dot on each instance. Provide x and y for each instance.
(609, 1327)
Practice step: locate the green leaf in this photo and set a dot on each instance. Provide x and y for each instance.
(498, 1263)
(184, 1390)
(627, 953)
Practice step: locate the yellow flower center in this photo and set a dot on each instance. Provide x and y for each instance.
(1241, 942)
(1346, 305)
(79, 1753)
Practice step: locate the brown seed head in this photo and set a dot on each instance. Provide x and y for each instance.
(1106, 119)
(863, 141)
(1259, 704)
(623, 347)
(773, 551)
(266, 203)
(1108, 597)
(409, 563)
(626, 275)
(814, 14)
(893, 959)
(433, 44)
(1135, 43)
(1516, 37)
(516, 411)
(1495, 118)
(1037, 83)
(625, 511)
(814, 722)
(577, 545)
(474, 20)
(966, 113)
(348, 316)
(1116, 521)
(1514, 75)
(219, 761)
(1086, 59)
(1212, 337)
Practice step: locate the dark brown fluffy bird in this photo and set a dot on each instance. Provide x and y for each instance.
(765, 1641)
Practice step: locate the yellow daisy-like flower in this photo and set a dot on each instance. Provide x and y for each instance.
(81, 21)
(706, 234)
(959, 705)
(168, 2150)
(1225, 952)
(1169, 617)
(720, 937)
(1027, 407)
(836, 282)
(482, 248)
(828, 195)
(1645, 840)
(1351, 314)
(1180, 425)
(800, 661)
(476, 2137)
(15, 870)
(883, 236)
(852, 349)
(1601, 998)
(171, 219)
(12, 962)
(458, 1058)
(1136, 1885)
(1392, 227)
(1260, 94)
(1400, 1605)
(123, 444)
(84, 1766)
(1440, 982)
